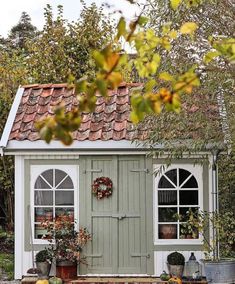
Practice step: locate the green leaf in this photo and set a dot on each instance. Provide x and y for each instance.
(142, 21)
(165, 76)
(121, 28)
(188, 28)
(175, 4)
(99, 58)
(210, 56)
(102, 87)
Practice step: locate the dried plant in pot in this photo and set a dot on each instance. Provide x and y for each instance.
(43, 263)
(175, 263)
(218, 234)
(66, 245)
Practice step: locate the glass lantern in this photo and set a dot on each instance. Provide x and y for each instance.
(192, 268)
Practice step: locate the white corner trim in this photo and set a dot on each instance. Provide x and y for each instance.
(11, 117)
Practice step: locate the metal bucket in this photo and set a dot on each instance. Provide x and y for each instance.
(222, 271)
(175, 270)
(45, 268)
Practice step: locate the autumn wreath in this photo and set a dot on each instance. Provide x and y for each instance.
(102, 187)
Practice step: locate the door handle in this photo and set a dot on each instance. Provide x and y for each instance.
(121, 217)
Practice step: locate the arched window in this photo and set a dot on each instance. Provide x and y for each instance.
(53, 196)
(177, 192)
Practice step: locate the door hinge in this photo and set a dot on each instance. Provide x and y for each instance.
(140, 170)
(94, 255)
(147, 255)
(92, 171)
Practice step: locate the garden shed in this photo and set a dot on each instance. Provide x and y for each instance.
(134, 229)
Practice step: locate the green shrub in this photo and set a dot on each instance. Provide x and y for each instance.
(175, 258)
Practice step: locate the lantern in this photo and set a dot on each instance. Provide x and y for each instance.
(192, 267)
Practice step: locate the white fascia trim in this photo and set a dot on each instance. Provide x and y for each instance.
(11, 118)
(77, 145)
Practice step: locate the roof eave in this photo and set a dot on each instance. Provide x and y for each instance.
(11, 118)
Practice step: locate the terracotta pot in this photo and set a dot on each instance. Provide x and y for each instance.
(66, 269)
(168, 231)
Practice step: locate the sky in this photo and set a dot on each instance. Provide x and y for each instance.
(10, 10)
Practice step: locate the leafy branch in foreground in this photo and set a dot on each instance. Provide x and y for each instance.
(160, 90)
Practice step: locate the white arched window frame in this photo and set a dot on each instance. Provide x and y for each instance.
(175, 188)
(53, 192)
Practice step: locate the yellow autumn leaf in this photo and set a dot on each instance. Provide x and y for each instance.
(175, 4)
(188, 28)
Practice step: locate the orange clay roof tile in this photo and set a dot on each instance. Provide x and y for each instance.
(109, 121)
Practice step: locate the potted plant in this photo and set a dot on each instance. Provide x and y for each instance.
(66, 245)
(43, 263)
(219, 262)
(175, 263)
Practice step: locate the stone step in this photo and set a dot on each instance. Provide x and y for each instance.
(113, 280)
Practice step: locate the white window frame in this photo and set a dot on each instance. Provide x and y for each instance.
(35, 171)
(197, 172)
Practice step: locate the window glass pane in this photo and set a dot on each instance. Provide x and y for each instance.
(184, 212)
(167, 231)
(167, 214)
(42, 214)
(164, 183)
(172, 175)
(66, 184)
(183, 175)
(48, 176)
(59, 176)
(39, 231)
(167, 197)
(43, 197)
(41, 184)
(188, 197)
(188, 233)
(67, 213)
(191, 183)
(64, 198)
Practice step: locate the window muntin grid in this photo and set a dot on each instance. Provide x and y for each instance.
(177, 191)
(53, 197)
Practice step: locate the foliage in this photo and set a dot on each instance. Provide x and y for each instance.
(27, 56)
(153, 61)
(68, 242)
(21, 33)
(43, 256)
(7, 264)
(66, 47)
(175, 258)
(216, 76)
(224, 225)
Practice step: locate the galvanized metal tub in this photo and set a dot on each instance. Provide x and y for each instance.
(222, 271)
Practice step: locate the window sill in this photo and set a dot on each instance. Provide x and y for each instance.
(178, 242)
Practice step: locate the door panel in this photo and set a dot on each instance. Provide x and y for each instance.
(118, 223)
(131, 193)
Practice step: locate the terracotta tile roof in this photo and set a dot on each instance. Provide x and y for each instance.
(110, 119)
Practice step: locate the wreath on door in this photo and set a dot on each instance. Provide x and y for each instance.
(102, 187)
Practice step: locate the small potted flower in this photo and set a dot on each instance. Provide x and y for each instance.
(66, 245)
(43, 263)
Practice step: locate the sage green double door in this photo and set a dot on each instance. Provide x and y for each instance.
(121, 225)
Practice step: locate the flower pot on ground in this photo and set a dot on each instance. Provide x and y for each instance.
(66, 269)
(43, 262)
(175, 264)
(66, 245)
(218, 268)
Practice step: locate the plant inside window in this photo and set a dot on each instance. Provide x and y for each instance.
(53, 197)
(177, 192)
